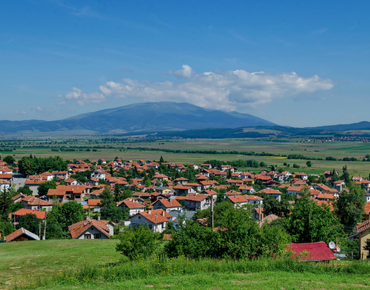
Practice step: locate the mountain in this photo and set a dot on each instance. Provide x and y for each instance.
(149, 117)
(344, 127)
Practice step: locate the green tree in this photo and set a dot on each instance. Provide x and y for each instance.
(5, 204)
(309, 222)
(9, 159)
(25, 190)
(30, 222)
(161, 160)
(44, 187)
(272, 206)
(350, 206)
(137, 243)
(309, 163)
(107, 199)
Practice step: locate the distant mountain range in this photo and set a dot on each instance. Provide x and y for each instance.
(168, 119)
(155, 116)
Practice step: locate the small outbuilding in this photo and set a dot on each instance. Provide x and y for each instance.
(312, 252)
(21, 235)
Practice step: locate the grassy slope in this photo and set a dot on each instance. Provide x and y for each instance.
(42, 258)
(24, 260)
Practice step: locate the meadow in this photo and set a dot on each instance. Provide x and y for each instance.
(91, 264)
(109, 148)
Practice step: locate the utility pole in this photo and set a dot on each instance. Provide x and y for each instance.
(40, 230)
(44, 238)
(260, 214)
(212, 213)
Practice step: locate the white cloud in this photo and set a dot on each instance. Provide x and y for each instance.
(21, 112)
(185, 72)
(228, 90)
(81, 98)
(39, 109)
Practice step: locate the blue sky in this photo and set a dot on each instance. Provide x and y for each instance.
(297, 63)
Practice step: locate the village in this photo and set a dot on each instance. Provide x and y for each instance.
(161, 194)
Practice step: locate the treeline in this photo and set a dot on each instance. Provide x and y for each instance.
(33, 165)
(236, 163)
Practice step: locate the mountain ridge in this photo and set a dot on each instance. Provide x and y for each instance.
(152, 116)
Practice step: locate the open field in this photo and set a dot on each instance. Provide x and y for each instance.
(43, 258)
(60, 260)
(109, 149)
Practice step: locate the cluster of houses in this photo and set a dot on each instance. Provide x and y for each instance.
(164, 199)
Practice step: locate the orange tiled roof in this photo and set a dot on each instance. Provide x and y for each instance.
(23, 211)
(78, 228)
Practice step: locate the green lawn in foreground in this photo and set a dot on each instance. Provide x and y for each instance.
(264, 280)
(24, 260)
(42, 258)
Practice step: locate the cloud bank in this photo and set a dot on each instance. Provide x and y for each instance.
(227, 90)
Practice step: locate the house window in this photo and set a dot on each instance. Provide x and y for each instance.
(87, 236)
(150, 226)
(97, 236)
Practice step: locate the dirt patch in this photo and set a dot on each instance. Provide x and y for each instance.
(12, 268)
(149, 286)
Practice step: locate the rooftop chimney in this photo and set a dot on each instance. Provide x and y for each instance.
(149, 212)
(163, 213)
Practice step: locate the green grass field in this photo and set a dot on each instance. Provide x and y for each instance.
(295, 146)
(58, 261)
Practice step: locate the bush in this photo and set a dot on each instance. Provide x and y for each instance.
(137, 243)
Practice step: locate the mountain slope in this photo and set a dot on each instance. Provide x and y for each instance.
(156, 116)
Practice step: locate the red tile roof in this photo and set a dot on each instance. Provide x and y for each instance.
(196, 197)
(156, 216)
(23, 211)
(18, 233)
(316, 251)
(77, 229)
(130, 204)
(169, 203)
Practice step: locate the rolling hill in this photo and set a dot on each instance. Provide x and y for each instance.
(149, 117)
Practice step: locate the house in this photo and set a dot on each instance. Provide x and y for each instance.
(275, 193)
(181, 180)
(68, 192)
(155, 220)
(363, 234)
(163, 190)
(167, 204)
(21, 235)
(4, 185)
(34, 203)
(197, 201)
(133, 206)
(180, 189)
(18, 197)
(206, 184)
(91, 229)
(98, 173)
(161, 177)
(246, 189)
(23, 211)
(295, 190)
(33, 185)
(236, 182)
(72, 181)
(94, 204)
(245, 199)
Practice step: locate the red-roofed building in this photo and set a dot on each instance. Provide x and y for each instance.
(312, 252)
(91, 229)
(23, 211)
(133, 206)
(21, 235)
(166, 204)
(197, 201)
(156, 220)
(245, 199)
